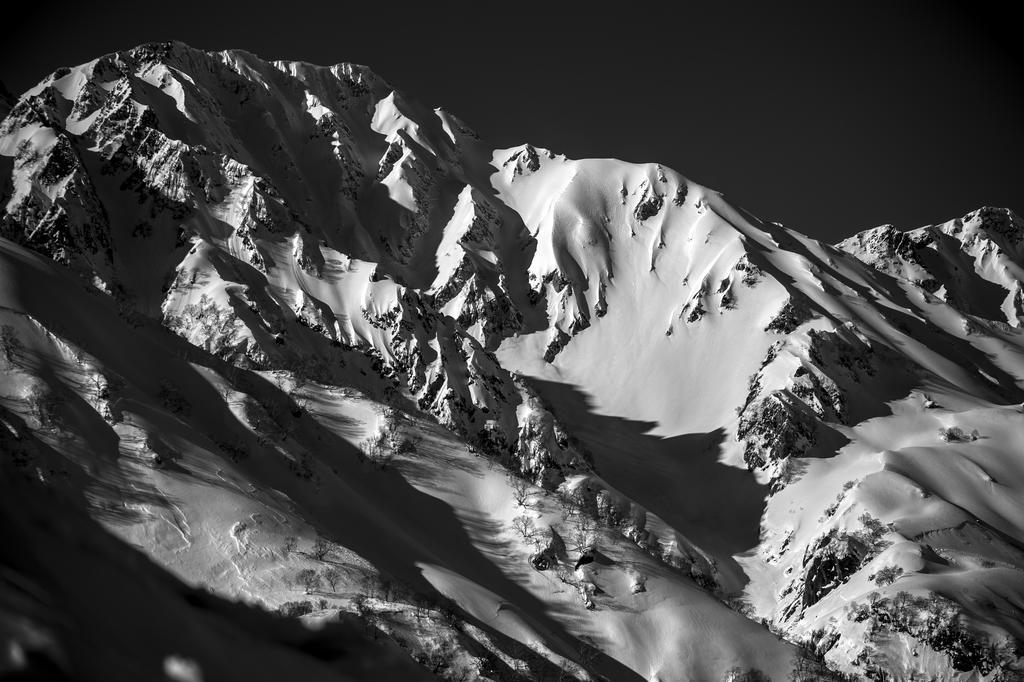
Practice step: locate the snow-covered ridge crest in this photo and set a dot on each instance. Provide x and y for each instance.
(963, 261)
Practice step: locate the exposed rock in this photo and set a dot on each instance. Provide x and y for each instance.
(680, 198)
(548, 556)
(829, 563)
(560, 341)
(775, 428)
(524, 160)
(649, 205)
(794, 312)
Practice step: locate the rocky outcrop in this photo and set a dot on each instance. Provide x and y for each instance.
(786, 420)
(473, 287)
(829, 563)
(775, 428)
(793, 313)
(524, 160)
(550, 550)
(649, 205)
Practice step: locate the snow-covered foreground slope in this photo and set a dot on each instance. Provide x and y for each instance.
(313, 347)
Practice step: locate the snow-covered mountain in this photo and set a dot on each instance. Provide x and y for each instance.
(310, 346)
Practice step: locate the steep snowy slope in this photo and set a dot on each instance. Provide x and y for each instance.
(525, 415)
(61, 570)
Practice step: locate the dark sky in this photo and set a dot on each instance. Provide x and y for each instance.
(829, 117)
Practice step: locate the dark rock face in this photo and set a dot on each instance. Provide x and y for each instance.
(547, 557)
(482, 302)
(584, 559)
(829, 563)
(560, 341)
(887, 241)
(751, 273)
(525, 160)
(696, 312)
(680, 198)
(776, 428)
(1000, 224)
(794, 313)
(543, 560)
(391, 156)
(649, 206)
(777, 423)
(532, 160)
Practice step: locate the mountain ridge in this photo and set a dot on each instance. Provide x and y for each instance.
(278, 223)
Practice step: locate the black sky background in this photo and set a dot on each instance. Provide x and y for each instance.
(829, 117)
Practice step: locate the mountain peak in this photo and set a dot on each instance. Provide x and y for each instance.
(307, 342)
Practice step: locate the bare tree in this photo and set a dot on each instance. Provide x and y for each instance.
(520, 489)
(321, 548)
(308, 579)
(436, 657)
(574, 504)
(359, 604)
(387, 588)
(523, 525)
(376, 449)
(97, 384)
(582, 535)
(332, 576)
(289, 545)
(370, 585)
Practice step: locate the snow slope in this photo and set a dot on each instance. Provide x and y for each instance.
(300, 339)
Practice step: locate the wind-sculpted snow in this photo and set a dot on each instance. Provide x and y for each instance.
(314, 346)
